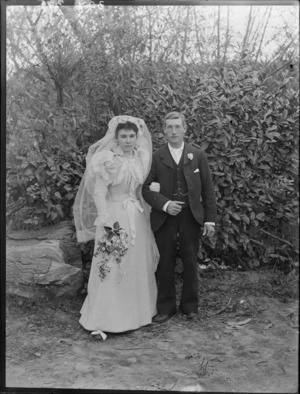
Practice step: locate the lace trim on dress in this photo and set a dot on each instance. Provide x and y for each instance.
(114, 167)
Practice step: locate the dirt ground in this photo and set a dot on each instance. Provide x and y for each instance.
(246, 340)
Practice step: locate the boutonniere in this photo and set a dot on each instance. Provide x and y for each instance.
(190, 156)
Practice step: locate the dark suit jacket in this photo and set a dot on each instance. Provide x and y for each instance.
(201, 193)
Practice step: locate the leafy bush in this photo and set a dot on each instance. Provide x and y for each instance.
(46, 184)
(248, 130)
(251, 139)
(250, 135)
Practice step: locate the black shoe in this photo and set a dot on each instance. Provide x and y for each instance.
(162, 318)
(192, 316)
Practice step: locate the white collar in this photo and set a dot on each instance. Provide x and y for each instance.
(176, 149)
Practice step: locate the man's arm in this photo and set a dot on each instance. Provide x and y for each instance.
(208, 194)
(155, 199)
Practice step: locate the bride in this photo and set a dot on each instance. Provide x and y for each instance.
(110, 209)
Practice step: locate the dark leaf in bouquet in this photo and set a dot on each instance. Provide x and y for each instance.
(116, 226)
(107, 229)
(110, 235)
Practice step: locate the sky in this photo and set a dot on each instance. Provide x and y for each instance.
(280, 16)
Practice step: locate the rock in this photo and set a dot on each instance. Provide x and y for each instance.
(61, 230)
(132, 360)
(41, 263)
(64, 232)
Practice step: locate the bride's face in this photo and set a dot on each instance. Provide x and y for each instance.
(126, 140)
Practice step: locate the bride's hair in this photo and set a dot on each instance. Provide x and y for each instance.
(126, 126)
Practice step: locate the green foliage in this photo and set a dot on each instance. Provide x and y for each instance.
(249, 132)
(46, 183)
(251, 138)
(248, 128)
(44, 162)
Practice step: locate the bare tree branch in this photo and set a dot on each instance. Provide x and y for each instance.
(226, 38)
(187, 20)
(263, 35)
(278, 69)
(197, 36)
(247, 33)
(218, 35)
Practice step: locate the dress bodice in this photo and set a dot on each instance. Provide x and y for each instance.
(121, 174)
(118, 180)
(120, 192)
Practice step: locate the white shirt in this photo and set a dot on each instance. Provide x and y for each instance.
(176, 154)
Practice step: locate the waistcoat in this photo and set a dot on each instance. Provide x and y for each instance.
(180, 187)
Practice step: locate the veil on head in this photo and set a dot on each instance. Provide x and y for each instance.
(84, 209)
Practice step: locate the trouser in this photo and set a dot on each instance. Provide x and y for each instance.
(185, 229)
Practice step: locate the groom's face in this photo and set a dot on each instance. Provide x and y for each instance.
(174, 132)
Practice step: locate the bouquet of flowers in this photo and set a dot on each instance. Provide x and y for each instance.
(112, 246)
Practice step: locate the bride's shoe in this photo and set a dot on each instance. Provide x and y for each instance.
(101, 333)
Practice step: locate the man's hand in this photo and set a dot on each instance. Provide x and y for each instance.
(155, 187)
(174, 207)
(208, 230)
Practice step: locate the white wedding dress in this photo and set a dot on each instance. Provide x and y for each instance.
(126, 298)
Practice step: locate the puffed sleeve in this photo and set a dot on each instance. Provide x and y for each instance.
(103, 164)
(104, 169)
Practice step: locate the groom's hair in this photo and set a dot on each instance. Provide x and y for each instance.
(175, 115)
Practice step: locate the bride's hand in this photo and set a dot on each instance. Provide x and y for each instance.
(154, 187)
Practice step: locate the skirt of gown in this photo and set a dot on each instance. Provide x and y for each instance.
(127, 302)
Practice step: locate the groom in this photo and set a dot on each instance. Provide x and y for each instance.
(180, 191)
